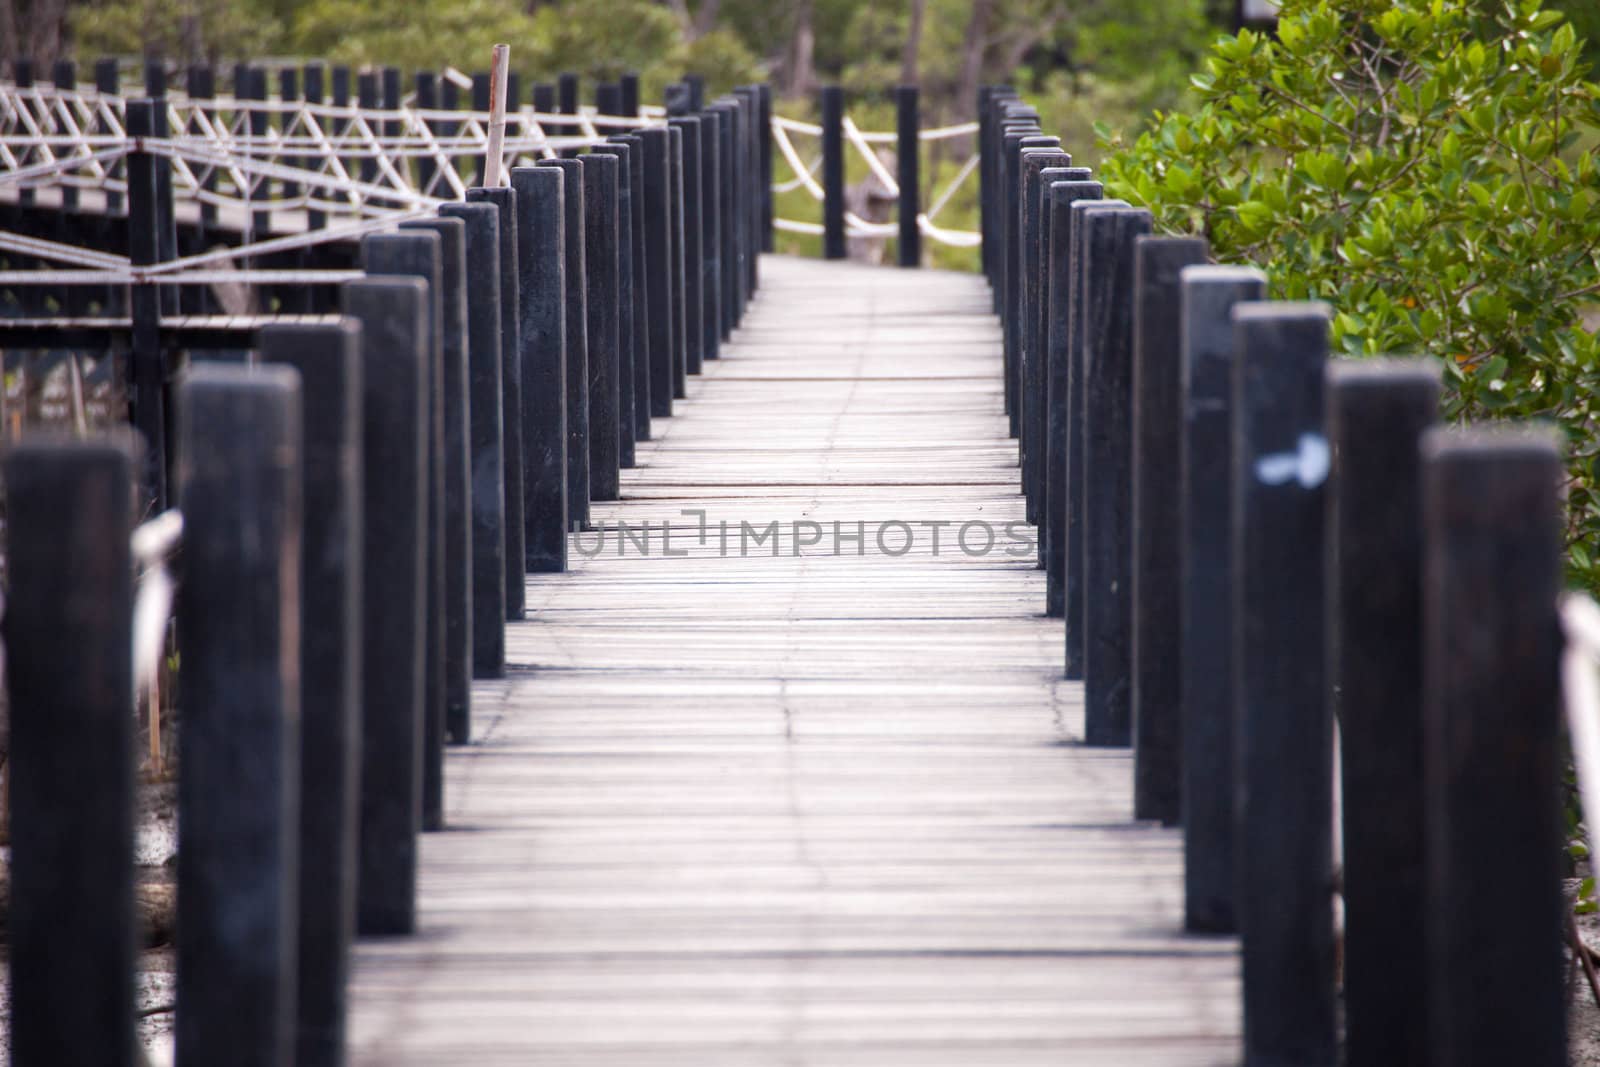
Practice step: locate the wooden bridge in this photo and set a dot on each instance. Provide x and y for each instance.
(603, 642)
(818, 808)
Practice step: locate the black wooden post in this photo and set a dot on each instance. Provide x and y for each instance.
(764, 141)
(728, 221)
(1493, 519)
(69, 511)
(288, 92)
(755, 194)
(711, 234)
(1283, 747)
(1006, 209)
(427, 90)
(420, 254)
(239, 448)
(22, 78)
(994, 150)
(1036, 423)
(577, 331)
(513, 526)
(741, 203)
(677, 99)
(367, 100)
(630, 93)
(600, 227)
(339, 96)
(397, 372)
(1377, 413)
(1206, 659)
(107, 83)
(147, 362)
(720, 131)
(315, 93)
(457, 506)
(746, 204)
(541, 244)
(833, 242)
(908, 174)
(1010, 116)
(544, 103)
(694, 304)
(985, 93)
(65, 77)
(696, 86)
(254, 87)
(1018, 259)
(567, 89)
(1156, 591)
(658, 273)
(641, 307)
(628, 342)
(607, 102)
(1059, 294)
(1030, 324)
(485, 448)
(1109, 234)
(302, 299)
(1076, 446)
(675, 264)
(328, 360)
(166, 216)
(390, 81)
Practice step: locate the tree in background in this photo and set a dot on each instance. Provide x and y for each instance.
(1141, 49)
(33, 29)
(1585, 18)
(1078, 60)
(1426, 167)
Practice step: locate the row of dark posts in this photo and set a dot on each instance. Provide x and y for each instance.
(1252, 546)
(908, 176)
(361, 502)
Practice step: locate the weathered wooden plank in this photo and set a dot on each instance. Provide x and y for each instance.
(803, 807)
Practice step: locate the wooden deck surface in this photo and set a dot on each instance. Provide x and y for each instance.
(806, 810)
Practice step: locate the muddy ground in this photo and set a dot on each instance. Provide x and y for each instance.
(155, 854)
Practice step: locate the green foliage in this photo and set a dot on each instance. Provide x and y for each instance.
(1585, 18)
(429, 37)
(722, 59)
(603, 39)
(1418, 164)
(597, 39)
(195, 28)
(1133, 55)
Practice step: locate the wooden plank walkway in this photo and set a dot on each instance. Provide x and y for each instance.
(801, 810)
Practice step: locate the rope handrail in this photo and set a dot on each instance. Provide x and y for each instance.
(855, 226)
(221, 156)
(143, 276)
(1580, 684)
(153, 544)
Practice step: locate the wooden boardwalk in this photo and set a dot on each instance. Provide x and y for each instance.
(801, 810)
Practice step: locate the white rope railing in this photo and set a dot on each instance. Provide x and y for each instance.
(1580, 684)
(274, 155)
(863, 141)
(153, 544)
(231, 150)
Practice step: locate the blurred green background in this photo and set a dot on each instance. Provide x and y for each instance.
(1078, 61)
